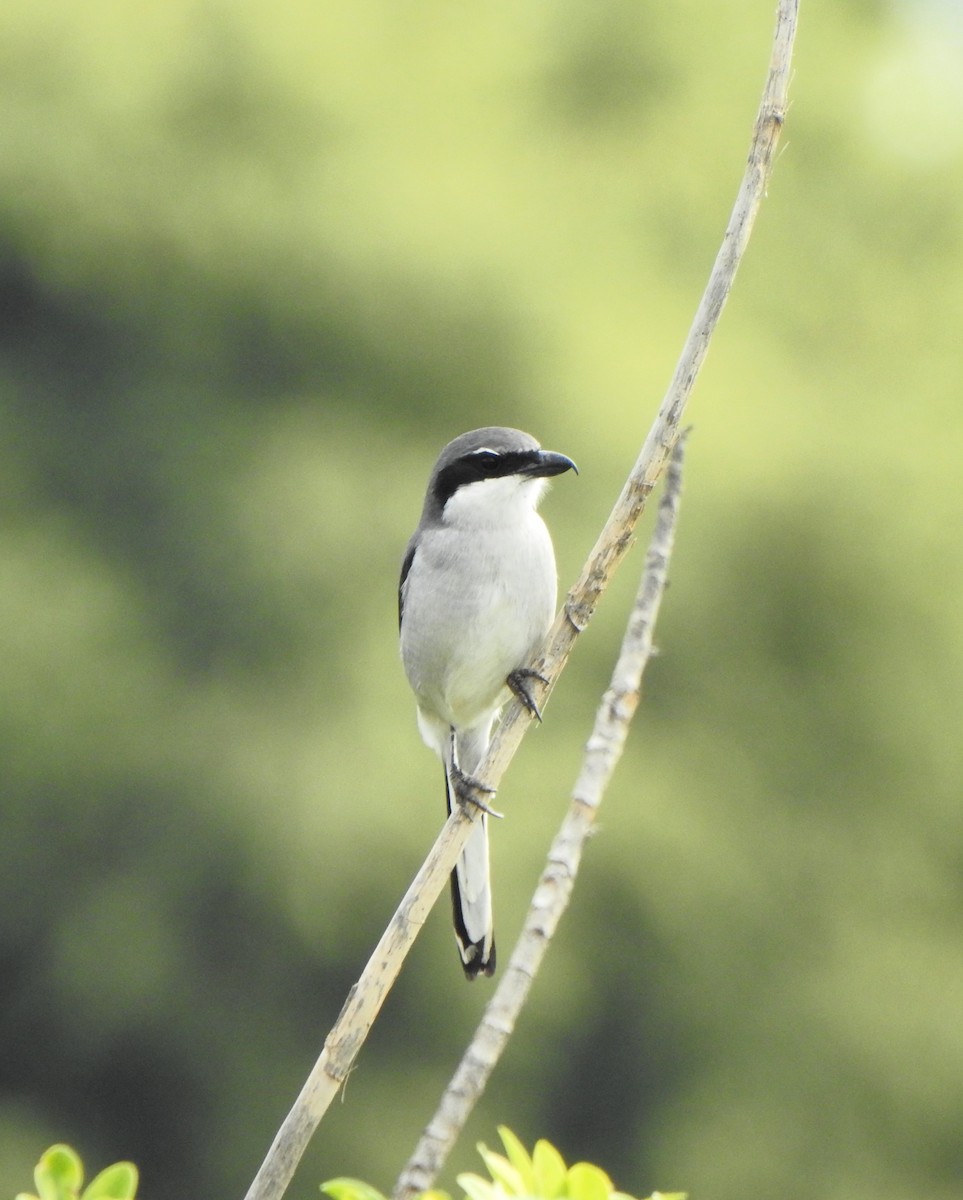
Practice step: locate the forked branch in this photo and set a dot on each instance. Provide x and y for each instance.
(366, 997)
(602, 753)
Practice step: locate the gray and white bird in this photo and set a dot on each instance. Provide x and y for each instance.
(476, 599)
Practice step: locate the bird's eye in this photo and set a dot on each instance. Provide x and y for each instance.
(485, 460)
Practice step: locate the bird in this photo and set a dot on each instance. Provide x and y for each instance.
(476, 598)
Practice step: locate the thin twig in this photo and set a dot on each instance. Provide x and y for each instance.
(602, 752)
(367, 995)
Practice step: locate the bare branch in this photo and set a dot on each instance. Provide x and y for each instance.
(616, 536)
(366, 997)
(358, 1013)
(602, 753)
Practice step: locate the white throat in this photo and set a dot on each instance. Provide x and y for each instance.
(490, 502)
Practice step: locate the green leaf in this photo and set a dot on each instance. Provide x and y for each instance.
(117, 1182)
(350, 1189)
(585, 1182)
(502, 1171)
(59, 1173)
(476, 1188)
(520, 1159)
(549, 1169)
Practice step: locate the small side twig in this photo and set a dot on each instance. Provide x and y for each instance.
(602, 752)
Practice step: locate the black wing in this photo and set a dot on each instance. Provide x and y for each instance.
(405, 568)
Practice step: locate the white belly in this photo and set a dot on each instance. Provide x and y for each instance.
(471, 616)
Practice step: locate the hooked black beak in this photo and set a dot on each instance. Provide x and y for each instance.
(547, 462)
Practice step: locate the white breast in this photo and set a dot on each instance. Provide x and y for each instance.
(479, 599)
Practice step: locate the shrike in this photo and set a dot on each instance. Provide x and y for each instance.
(476, 598)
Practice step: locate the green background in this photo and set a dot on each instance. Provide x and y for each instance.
(258, 263)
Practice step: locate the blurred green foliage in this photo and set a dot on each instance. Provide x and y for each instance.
(257, 264)
(541, 1175)
(59, 1175)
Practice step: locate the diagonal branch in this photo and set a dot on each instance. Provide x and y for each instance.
(367, 995)
(616, 536)
(602, 753)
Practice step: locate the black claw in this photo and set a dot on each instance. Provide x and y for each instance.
(467, 788)
(518, 682)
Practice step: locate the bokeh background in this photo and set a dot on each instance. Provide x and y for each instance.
(258, 262)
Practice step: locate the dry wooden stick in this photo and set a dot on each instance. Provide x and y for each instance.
(616, 536)
(602, 753)
(367, 995)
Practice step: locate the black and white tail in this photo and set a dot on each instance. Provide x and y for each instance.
(471, 900)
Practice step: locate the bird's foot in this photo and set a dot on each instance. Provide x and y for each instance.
(469, 791)
(518, 681)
